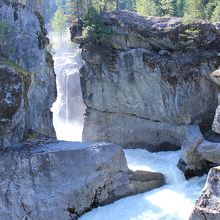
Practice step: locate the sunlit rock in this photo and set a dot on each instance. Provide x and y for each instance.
(151, 82)
(62, 180)
(207, 206)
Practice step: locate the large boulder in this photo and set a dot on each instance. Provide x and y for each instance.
(198, 154)
(23, 49)
(153, 79)
(62, 180)
(207, 207)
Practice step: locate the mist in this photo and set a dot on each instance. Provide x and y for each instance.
(68, 109)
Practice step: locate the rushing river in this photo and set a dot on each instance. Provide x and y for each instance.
(174, 201)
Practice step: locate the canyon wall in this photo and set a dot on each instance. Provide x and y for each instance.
(27, 79)
(150, 81)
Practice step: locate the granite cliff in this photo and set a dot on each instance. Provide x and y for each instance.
(150, 82)
(27, 78)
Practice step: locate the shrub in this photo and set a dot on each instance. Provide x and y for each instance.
(94, 29)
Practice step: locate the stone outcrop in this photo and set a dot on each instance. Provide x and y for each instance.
(62, 180)
(151, 83)
(207, 207)
(198, 154)
(215, 76)
(31, 89)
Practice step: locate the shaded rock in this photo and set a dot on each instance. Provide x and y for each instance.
(13, 105)
(198, 155)
(207, 207)
(147, 76)
(216, 122)
(23, 49)
(63, 180)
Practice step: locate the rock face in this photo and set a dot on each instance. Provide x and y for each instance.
(198, 154)
(208, 206)
(216, 124)
(24, 51)
(38, 183)
(151, 83)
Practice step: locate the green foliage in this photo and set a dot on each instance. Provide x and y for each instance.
(168, 7)
(215, 17)
(94, 29)
(194, 10)
(59, 22)
(146, 7)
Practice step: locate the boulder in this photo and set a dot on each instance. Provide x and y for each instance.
(198, 154)
(152, 77)
(62, 180)
(207, 207)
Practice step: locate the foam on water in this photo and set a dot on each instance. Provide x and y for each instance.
(174, 201)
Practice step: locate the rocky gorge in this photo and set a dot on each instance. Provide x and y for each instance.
(42, 177)
(154, 82)
(154, 86)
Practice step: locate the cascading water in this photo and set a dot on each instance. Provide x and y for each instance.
(174, 201)
(68, 109)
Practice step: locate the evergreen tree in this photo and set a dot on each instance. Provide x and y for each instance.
(194, 10)
(168, 7)
(146, 7)
(180, 8)
(59, 23)
(216, 13)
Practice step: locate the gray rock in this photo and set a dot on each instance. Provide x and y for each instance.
(198, 154)
(137, 81)
(207, 207)
(209, 151)
(13, 105)
(131, 131)
(24, 48)
(216, 122)
(62, 180)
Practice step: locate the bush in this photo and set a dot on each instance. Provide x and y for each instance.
(94, 29)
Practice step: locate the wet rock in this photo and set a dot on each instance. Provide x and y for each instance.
(143, 181)
(62, 180)
(207, 207)
(198, 155)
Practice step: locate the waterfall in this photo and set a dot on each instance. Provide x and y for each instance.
(68, 109)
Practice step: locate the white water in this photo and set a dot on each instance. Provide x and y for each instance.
(68, 109)
(173, 201)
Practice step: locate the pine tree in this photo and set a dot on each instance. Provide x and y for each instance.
(59, 23)
(180, 8)
(194, 9)
(168, 7)
(216, 13)
(146, 7)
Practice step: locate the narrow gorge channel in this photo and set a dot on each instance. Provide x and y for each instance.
(174, 201)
